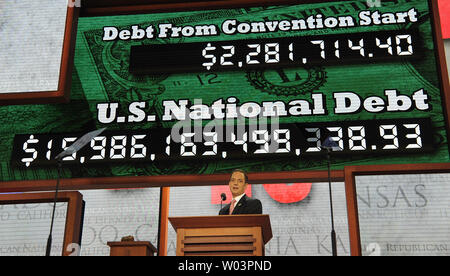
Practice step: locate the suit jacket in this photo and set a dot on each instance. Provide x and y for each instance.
(246, 205)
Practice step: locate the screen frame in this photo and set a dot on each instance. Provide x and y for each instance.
(62, 94)
(74, 214)
(350, 173)
(188, 180)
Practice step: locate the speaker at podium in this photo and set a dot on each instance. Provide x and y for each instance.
(224, 235)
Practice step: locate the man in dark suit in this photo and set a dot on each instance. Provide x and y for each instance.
(241, 203)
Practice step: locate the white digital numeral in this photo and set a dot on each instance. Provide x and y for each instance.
(118, 143)
(256, 52)
(264, 141)
(101, 147)
(138, 150)
(387, 46)
(315, 139)
(321, 43)
(400, 51)
(291, 51)
(211, 143)
(65, 146)
(415, 135)
(49, 147)
(186, 144)
(280, 141)
(359, 48)
(337, 138)
(168, 145)
(227, 55)
(337, 53)
(392, 136)
(242, 141)
(361, 138)
(272, 53)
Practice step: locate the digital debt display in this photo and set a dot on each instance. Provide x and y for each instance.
(257, 88)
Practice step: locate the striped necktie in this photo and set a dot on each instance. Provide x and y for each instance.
(233, 202)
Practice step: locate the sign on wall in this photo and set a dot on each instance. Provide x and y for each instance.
(260, 88)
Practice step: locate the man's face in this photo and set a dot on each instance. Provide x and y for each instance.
(237, 184)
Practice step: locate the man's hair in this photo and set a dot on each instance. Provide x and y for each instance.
(241, 171)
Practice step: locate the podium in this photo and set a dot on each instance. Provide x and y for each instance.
(131, 248)
(228, 235)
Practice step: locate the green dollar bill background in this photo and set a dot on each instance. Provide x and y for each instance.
(101, 75)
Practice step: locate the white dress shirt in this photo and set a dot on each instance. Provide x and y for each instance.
(237, 199)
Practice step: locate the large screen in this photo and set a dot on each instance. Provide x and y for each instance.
(31, 67)
(258, 88)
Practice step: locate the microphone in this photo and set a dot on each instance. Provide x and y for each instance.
(223, 197)
(330, 145)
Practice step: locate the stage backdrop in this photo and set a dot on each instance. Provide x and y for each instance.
(260, 89)
(398, 215)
